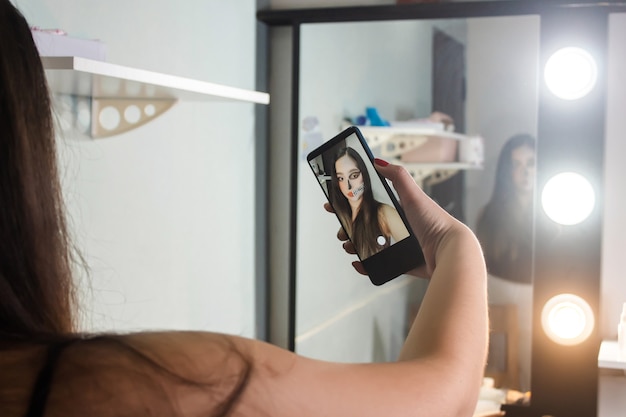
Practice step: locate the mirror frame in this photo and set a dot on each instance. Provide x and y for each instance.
(564, 379)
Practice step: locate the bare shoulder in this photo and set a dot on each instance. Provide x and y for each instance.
(150, 373)
(200, 373)
(167, 373)
(389, 216)
(388, 210)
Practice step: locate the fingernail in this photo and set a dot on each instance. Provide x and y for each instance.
(381, 162)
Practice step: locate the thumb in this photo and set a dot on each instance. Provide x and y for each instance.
(423, 213)
(401, 180)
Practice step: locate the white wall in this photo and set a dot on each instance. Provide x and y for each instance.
(612, 386)
(164, 214)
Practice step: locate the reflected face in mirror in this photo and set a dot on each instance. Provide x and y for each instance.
(350, 180)
(523, 170)
(504, 227)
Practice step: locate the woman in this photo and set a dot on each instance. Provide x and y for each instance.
(505, 225)
(505, 230)
(47, 368)
(371, 225)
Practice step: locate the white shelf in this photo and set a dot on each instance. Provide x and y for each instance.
(90, 78)
(394, 141)
(445, 166)
(609, 357)
(115, 89)
(389, 131)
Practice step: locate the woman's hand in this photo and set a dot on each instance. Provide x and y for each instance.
(431, 224)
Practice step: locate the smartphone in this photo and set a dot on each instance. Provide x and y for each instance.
(366, 206)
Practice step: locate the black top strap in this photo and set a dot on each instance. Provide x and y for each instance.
(41, 390)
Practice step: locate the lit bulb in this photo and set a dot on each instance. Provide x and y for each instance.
(570, 73)
(567, 319)
(568, 198)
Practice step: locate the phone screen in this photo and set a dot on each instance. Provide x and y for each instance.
(362, 200)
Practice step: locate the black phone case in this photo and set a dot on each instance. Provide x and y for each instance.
(396, 259)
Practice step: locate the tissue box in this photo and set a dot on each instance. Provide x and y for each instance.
(56, 43)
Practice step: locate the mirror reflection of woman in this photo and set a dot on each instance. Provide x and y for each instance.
(371, 225)
(505, 225)
(504, 230)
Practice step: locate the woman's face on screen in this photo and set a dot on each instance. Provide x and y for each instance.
(350, 178)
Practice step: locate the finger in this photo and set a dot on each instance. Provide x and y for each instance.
(359, 268)
(402, 181)
(341, 235)
(349, 247)
(408, 191)
(328, 207)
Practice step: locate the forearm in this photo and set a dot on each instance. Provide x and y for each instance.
(452, 324)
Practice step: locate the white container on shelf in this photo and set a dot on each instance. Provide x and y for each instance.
(57, 43)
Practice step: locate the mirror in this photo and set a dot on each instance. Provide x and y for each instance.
(489, 88)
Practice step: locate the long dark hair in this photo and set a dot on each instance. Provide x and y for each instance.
(37, 295)
(504, 228)
(366, 227)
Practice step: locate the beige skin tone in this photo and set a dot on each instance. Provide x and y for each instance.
(394, 222)
(349, 178)
(438, 373)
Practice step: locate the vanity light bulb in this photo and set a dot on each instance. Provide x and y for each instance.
(570, 73)
(568, 198)
(567, 319)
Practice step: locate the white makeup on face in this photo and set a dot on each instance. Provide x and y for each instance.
(349, 178)
(356, 192)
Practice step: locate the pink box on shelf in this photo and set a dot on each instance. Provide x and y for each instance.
(57, 43)
(435, 149)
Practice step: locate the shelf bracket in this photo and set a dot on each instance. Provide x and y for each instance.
(111, 117)
(395, 146)
(106, 117)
